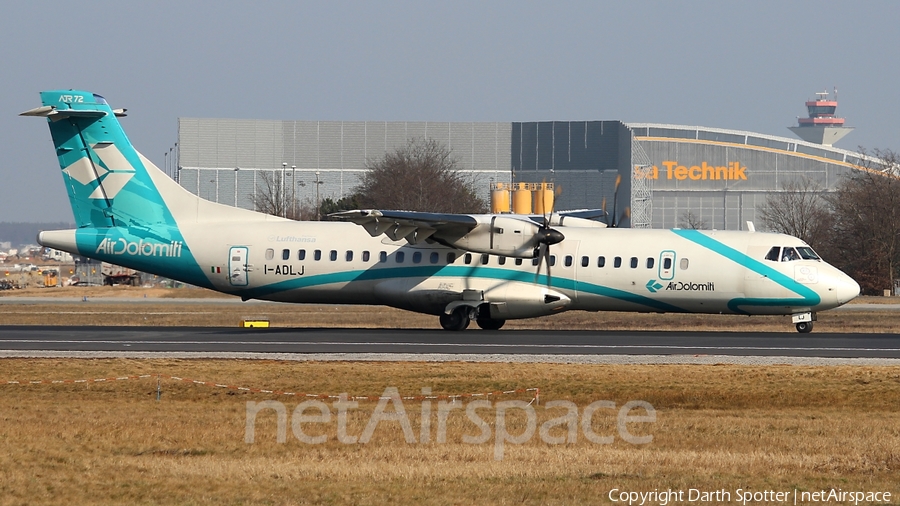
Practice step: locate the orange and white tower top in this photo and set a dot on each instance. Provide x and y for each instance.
(822, 126)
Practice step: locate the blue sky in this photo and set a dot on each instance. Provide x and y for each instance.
(740, 65)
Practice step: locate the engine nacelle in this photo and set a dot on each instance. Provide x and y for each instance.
(571, 221)
(501, 235)
(513, 300)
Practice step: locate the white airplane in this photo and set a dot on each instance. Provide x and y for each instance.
(487, 268)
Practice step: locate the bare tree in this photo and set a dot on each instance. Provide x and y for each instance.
(692, 221)
(866, 213)
(420, 176)
(271, 197)
(800, 209)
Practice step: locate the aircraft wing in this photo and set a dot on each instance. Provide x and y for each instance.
(413, 226)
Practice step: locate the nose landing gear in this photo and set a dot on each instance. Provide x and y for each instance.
(804, 322)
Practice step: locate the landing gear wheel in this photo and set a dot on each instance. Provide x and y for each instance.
(457, 320)
(804, 327)
(490, 323)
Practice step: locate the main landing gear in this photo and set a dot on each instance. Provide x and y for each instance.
(804, 327)
(460, 317)
(804, 322)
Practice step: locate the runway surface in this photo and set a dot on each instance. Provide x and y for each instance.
(471, 342)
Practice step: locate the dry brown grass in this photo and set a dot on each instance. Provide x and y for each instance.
(100, 311)
(718, 427)
(117, 292)
(109, 306)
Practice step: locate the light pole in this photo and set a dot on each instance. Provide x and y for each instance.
(293, 192)
(209, 191)
(301, 184)
(283, 203)
(166, 158)
(236, 169)
(317, 194)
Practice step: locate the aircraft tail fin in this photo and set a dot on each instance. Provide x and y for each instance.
(107, 180)
(109, 183)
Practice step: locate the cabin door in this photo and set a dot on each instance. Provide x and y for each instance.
(237, 265)
(667, 265)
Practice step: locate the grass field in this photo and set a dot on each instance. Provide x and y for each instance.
(717, 427)
(103, 306)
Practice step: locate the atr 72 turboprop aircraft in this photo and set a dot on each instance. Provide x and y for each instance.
(487, 268)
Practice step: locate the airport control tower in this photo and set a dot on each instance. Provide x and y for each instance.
(822, 126)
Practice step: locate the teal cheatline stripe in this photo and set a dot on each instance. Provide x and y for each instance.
(808, 296)
(629, 297)
(454, 272)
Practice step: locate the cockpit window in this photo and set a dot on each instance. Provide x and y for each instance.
(789, 254)
(773, 253)
(807, 253)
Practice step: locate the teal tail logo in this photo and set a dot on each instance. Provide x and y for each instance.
(106, 178)
(653, 286)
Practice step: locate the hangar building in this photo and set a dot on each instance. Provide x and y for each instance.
(669, 173)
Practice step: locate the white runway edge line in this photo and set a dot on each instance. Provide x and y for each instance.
(458, 345)
(469, 357)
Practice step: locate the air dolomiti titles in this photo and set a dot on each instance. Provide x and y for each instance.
(147, 249)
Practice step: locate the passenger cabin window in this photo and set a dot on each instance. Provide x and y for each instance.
(552, 260)
(333, 255)
(365, 256)
(382, 257)
(518, 261)
(684, 264)
(468, 258)
(484, 258)
(285, 254)
(535, 260)
(667, 263)
(568, 261)
(317, 255)
(349, 256)
(501, 260)
(773, 253)
(617, 262)
(451, 257)
(650, 262)
(585, 261)
(435, 256)
(417, 257)
(270, 254)
(400, 256)
(601, 262)
(634, 262)
(301, 255)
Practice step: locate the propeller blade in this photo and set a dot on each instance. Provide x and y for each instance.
(547, 260)
(540, 260)
(616, 199)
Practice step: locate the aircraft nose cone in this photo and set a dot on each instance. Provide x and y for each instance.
(847, 289)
